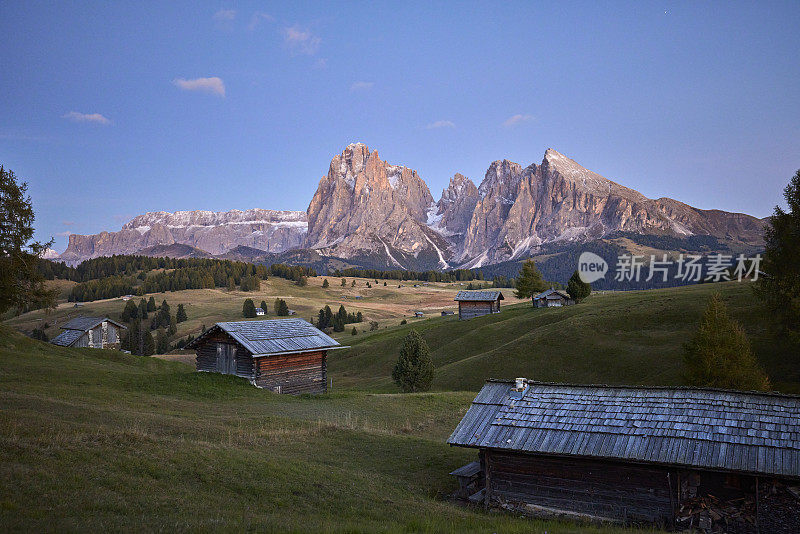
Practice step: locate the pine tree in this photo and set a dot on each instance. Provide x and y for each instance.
(143, 309)
(231, 284)
(130, 312)
(148, 344)
(248, 308)
(719, 353)
(173, 327)
(780, 289)
(577, 288)
(132, 337)
(354, 331)
(529, 281)
(281, 308)
(414, 369)
(353, 284)
(151, 304)
(342, 315)
(321, 324)
(328, 316)
(264, 306)
(325, 284)
(180, 315)
(162, 343)
(302, 281)
(344, 282)
(359, 317)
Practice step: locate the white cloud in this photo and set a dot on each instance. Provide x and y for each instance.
(211, 85)
(361, 86)
(516, 119)
(301, 41)
(96, 118)
(257, 18)
(225, 15)
(64, 234)
(440, 124)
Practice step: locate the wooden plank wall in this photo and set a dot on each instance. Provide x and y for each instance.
(618, 491)
(470, 309)
(207, 356)
(294, 373)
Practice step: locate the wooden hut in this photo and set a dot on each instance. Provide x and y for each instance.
(678, 457)
(283, 355)
(92, 332)
(476, 303)
(552, 298)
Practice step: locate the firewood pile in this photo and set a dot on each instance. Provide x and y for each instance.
(778, 512)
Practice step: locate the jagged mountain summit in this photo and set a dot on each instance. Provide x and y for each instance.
(376, 214)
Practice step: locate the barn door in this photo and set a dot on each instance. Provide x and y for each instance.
(226, 358)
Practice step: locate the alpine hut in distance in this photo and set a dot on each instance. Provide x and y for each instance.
(283, 355)
(708, 458)
(552, 298)
(92, 332)
(476, 303)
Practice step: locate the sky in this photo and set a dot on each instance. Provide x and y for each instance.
(112, 109)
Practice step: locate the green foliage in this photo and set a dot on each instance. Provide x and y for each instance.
(148, 344)
(151, 304)
(130, 312)
(403, 322)
(719, 353)
(248, 308)
(138, 340)
(780, 288)
(302, 281)
(414, 368)
(22, 285)
(530, 281)
(39, 333)
(231, 284)
(353, 284)
(353, 332)
(250, 283)
(264, 307)
(281, 308)
(373, 325)
(344, 282)
(180, 315)
(577, 288)
(142, 309)
(325, 284)
(326, 318)
(162, 342)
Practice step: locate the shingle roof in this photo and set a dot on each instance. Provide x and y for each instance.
(275, 336)
(701, 428)
(489, 296)
(83, 323)
(67, 337)
(550, 292)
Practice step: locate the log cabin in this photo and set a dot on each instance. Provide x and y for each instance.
(282, 355)
(675, 457)
(476, 303)
(92, 332)
(552, 298)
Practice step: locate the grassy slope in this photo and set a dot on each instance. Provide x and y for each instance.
(386, 304)
(631, 337)
(98, 440)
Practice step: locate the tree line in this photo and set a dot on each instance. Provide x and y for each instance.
(327, 319)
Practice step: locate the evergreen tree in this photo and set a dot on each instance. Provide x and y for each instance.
(780, 287)
(173, 327)
(321, 321)
(414, 368)
(148, 344)
(130, 312)
(354, 331)
(282, 309)
(328, 316)
(162, 343)
(180, 315)
(719, 354)
(577, 288)
(264, 307)
(248, 308)
(22, 285)
(359, 317)
(130, 341)
(151, 304)
(344, 282)
(342, 316)
(529, 281)
(353, 284)
(231, 284)
(143, 309)
(39, 333)
(325, 284)
(302, 281)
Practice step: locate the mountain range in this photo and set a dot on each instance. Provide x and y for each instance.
(368, 212)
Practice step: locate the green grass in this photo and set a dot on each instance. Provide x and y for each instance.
(616, 338)
(96, 440)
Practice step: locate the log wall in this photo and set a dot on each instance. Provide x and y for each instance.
(293, 373)
(470, 309)
(207, 356)
(623, 492)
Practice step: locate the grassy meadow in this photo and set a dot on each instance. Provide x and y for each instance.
(94, 440)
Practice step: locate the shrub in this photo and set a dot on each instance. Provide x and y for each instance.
(248, 308)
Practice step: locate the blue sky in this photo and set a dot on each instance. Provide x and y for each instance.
(111, 109)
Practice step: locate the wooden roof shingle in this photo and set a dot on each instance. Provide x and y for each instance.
(483, 296)
(701, 428)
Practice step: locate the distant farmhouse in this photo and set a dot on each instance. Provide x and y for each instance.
(93, 332)
(283, 355)
(552, 298)
(260, 311)
(476, 303)
(671, 456)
